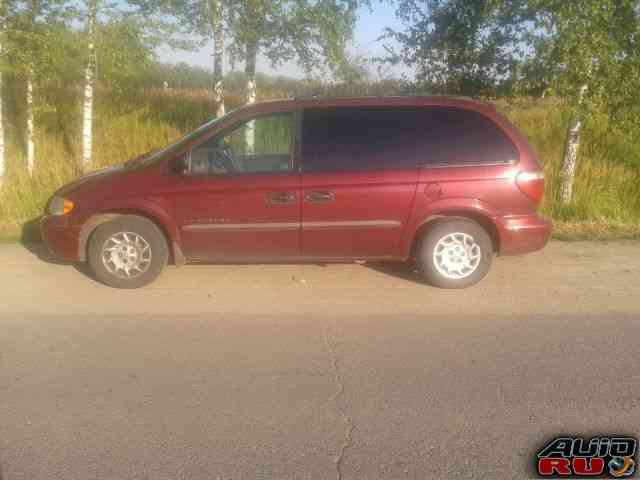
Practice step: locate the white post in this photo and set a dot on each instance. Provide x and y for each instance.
(89, 76)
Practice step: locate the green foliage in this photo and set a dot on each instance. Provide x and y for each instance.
(312, 33)
(488, 47)
(124, 54)
(34, 35)
(593, 43)
(470, 47)
(193, 18)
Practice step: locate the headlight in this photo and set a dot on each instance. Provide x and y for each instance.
(60, 206)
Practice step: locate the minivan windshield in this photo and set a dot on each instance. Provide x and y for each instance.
(179, 144)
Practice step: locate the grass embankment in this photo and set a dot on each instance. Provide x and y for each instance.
(606, 193)
(606, 200)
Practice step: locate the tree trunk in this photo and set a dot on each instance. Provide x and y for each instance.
(218, 58)
(570, 160)
(89, 79)
(250, 73)
(2, 164)
(31, 149)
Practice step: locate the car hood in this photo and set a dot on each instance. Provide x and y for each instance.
(92, 177)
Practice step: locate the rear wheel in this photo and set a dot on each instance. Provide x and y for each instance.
(455, 253)
(128, 252)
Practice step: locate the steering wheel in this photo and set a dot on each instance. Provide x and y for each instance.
(223, 158)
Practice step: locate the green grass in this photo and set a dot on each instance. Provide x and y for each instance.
(607, 184)
(606, 192)
(595, 230)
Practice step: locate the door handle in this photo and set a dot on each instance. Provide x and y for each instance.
(319, 197)
(280, 198)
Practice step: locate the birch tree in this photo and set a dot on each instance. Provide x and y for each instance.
(31, 146)
(203, 19)
(40, 15)
(314, 34)
(32, 44)
(118, 56)
(3, 15)
(118, 46)
(7, 12)
(217, 26)
(594, 46)
(572, 147)
(256, 12)
(89, 79)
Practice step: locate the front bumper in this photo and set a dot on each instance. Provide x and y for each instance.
(522, 234)
(61, 238)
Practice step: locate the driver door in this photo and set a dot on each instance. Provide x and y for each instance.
(240, 199)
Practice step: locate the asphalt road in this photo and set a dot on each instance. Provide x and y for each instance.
(314, 372)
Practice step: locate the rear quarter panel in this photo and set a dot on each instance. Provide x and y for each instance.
(486, 191)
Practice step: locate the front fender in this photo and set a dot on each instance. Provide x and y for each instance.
(156, 209)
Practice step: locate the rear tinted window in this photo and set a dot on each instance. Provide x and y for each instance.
(374, 138)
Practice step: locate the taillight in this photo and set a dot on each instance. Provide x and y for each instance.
(532, 185)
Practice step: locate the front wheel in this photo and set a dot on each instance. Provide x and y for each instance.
(128, 252)
(455, 253)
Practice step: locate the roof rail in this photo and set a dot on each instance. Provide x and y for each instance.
(404, 95)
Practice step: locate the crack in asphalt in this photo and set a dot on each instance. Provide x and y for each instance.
(335, 398)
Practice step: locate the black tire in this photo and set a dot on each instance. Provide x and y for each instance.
(432, 274)
(149, 233)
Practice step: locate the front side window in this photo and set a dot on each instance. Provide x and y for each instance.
(261, 145)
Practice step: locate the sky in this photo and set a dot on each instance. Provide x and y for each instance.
(370, 25)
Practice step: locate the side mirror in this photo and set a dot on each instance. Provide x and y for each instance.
(180, 165)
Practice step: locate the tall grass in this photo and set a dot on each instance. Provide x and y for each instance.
(607, 183)
(607, 186)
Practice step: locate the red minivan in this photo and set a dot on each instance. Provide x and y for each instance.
(446, 182)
